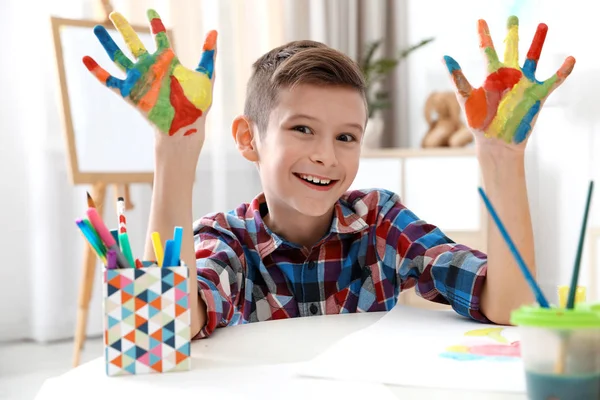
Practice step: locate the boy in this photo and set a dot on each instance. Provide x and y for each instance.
(306, 246)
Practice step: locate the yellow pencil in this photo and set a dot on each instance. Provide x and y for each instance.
(158, 248)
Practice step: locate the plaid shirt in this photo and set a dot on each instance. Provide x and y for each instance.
(375, 248)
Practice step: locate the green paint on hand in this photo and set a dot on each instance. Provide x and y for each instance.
(162, 41)
(162, 113)
(513, 122)
(493, 63)
(151, 14)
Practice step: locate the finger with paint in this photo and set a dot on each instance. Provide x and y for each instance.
(170, 95)
(506, 105)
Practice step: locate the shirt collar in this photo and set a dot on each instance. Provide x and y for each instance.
(345, 220)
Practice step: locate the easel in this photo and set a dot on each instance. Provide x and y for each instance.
(99, 181)
(98, 193)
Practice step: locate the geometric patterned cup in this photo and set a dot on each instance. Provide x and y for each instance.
(146, 320)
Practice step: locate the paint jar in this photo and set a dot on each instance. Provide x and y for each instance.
(563, 295)
(560, 349)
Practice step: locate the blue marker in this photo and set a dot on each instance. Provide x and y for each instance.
(167, 257)
(177, 238)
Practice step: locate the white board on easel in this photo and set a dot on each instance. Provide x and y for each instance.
(108, 140)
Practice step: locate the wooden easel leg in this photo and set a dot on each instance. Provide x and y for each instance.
(87, 279)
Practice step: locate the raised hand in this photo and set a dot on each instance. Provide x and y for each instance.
(508, 103)
(171, 96)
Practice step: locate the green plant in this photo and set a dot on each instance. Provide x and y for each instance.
(375, 70)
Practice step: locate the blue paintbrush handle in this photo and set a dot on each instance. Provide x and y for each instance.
(530, 280)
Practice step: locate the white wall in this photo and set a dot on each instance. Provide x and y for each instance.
(560, 155)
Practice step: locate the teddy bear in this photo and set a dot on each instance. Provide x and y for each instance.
(443, 115)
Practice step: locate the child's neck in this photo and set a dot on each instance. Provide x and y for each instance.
(296, 227)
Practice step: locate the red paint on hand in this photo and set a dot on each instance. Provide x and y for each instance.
(185, 112)
(503, 79)
(157, 26)
(537, 43)
(95, 69)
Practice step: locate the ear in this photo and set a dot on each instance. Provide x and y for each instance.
(243, 134)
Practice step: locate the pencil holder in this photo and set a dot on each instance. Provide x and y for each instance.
(146, 320)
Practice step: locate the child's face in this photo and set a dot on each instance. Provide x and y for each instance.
(313, 133)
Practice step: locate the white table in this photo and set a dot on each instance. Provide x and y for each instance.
(253, 361)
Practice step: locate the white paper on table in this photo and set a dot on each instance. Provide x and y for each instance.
(407, 346)
(261, 382)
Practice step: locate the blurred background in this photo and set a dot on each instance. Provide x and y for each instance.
(415, 142)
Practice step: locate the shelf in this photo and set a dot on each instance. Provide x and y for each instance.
(401, 152)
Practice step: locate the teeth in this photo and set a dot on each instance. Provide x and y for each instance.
(311, 178)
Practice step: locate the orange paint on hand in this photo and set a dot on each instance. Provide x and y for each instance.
(567, 67)
(95, 69)
(159, 69)
(484, 34)
(211, 41)
(476, 108)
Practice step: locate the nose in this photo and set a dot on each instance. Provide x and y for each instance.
(324, 153)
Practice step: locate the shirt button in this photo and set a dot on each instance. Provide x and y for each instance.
(312, 265)
(313, 309)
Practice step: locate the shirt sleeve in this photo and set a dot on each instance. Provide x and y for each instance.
(221, 266)
(440, 270)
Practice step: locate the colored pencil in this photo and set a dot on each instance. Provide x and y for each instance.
(90, 201)
(91, 238)
(575, 276)
(105, 235)
(158, 249)
(521, 263)
(95, 236)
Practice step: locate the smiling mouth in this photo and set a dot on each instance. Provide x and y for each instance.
(321, 182)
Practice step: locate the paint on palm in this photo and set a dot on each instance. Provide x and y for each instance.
(171, 95)
(511, 97)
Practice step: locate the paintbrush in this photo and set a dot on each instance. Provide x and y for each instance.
(539, 296)
(575, 277)
(562, 351)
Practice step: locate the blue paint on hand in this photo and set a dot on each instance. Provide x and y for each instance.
(529, 69)
(525, 125)
(207, 63)
(106, 41)
(451, 64)
(124, 86)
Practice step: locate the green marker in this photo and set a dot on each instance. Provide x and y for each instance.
(126, 248)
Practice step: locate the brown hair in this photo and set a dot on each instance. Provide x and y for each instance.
(299, 62)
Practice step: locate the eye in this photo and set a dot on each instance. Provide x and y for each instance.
(302, 128)
(346, 137)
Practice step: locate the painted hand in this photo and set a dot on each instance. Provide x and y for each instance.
(508, 103)
(171, 96)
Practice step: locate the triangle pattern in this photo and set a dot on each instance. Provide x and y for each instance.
(146, 320)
